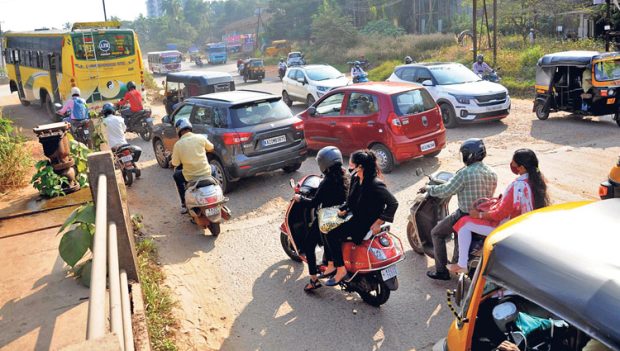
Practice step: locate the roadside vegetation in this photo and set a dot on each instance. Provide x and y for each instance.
(14, 157)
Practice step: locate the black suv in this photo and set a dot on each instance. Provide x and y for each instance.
(252, 131)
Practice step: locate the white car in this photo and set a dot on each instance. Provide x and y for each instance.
(461, 94)
(308, 83)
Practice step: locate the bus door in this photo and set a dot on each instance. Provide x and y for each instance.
(15, 57)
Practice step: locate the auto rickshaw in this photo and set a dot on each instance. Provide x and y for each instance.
(582, 82)
(253, 69)
(547, 280)
(179, 86)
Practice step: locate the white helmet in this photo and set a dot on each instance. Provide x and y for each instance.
(75, 91)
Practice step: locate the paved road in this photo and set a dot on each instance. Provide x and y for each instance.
(240, 291)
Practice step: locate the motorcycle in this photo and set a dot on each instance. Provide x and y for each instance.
(610, 188)
(198, 62)
(125, 162)
(80, 129)
(426, 211)
(281, 72)
(205, 203)
(370, 265)
(492, 76)
(140, 123)
(362, 78)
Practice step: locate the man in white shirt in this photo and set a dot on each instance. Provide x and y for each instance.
(115, 131)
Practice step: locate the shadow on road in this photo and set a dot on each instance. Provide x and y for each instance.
(597, 132)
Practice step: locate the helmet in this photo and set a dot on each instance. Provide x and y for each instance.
(408, 60)
(75, 91)
(131, 85)
(182, 124)
(281, 60)
(480, 58)
(473, 150)
(327, 157)
(107, 109)
(357, 63)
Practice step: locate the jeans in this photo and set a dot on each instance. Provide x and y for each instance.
(180, 181)
(309, 246)
(440, 234)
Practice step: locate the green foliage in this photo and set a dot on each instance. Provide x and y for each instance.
(77, 231)
(80, 152)
(292, 19)
(14, 157)
(46, 181)
(332, 30)
(149, 81)
(157, 297)
(382, 27)
(383, 71)
(518, 88)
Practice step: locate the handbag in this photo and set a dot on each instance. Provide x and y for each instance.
(487, 204)
(329, 219)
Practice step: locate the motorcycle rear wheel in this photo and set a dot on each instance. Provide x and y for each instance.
(127, 177)
(378, 296)
(288, 248)
(146, 132)
(214, 228)
(414, 239)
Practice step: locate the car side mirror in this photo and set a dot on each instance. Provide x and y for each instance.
(301, 80)
(428, 83)
(312, 111)
(165, 119)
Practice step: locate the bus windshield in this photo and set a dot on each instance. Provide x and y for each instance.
(103, 45)
(171, 59)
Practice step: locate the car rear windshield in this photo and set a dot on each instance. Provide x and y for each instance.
(453, 74)
(258, 112)
(412, 102)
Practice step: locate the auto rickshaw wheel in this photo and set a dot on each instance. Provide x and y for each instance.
(541, 114)
(617, 118)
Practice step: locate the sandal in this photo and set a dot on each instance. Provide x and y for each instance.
(312, 285)
(324, 275)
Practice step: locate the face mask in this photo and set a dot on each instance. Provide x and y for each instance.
(514, 169)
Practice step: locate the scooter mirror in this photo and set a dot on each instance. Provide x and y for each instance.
(292, 183)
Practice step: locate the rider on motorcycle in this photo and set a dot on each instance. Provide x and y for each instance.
(357, 71)
(480, 67)
(76, 106)
(134, 98)
(282, 65)
(115, 131)
(475, 181)
(408, 60)
(189, 157)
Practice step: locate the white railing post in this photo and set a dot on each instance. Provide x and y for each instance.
(96, 315)
(116, 319)
(126, 312)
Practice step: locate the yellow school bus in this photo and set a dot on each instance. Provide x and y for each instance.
(97, 57)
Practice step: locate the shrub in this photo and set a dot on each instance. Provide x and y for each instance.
(149, 81)
(14, 157)
(50, 184)
(382, 27)
(383, 71)
(519, 89)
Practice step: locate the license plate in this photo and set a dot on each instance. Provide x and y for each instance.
(389, 273)
(212, 211)
(275, 140)
(127, 158)
(427, 146)
(86, 131)
(492, 108)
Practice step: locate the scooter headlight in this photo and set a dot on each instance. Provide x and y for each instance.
(378, 253)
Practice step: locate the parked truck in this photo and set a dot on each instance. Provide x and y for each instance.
(216, 53)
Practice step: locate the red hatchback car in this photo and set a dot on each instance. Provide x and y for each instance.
(398, 121)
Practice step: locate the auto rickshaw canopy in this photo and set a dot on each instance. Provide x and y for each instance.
(202, 78)
(564, 258)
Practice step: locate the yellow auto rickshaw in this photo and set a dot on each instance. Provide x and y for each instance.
(547, 280)
(582, 82)
(253, 69)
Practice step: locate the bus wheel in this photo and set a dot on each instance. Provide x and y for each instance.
(46, 101)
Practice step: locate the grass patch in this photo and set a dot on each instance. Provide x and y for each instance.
(149, 81)
(383, 71)
(157, 297)
(15, 157)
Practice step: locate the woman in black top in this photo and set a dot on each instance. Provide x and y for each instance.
(371, 204)
(331, 192)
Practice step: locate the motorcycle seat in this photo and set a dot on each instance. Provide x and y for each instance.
(123, 147)
(206, 181)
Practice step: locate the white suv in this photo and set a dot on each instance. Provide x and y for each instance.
(459, 92)
(308, 83)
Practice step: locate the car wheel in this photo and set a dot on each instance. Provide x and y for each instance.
(310, 100)
(220, 175)
(160, 153)
(448, 115)
(433, 154)
(541, 113)
(617, 118)
(291, 168)
(287, 99)
(385, 160)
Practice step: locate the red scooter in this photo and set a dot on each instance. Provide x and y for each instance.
(370, 265)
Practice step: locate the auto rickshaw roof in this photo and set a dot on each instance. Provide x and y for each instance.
(565, 259)
(574, 58)
(199, 77)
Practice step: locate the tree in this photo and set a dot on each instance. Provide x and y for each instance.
(332, 30)
(382, 27)
(292, 19)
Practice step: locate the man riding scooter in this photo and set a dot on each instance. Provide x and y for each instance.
(357, 73)
(281, 68)
(134, 98)
(115, 131)
(76, 106)
(480, 67)
(476, 180)
(189, 158)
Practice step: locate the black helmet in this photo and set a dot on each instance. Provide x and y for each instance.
(327, 157)
(408, 60)
(181, 125)
(131, 85)
(473, 150)
(107, 109)
(480, 58)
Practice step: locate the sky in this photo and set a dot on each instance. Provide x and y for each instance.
(19, 15)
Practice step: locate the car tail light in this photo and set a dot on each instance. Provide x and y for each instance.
(299, 125)
(602, 191)
(236, 138)
(395, 125)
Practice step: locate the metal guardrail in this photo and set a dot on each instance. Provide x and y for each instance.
(106, 246)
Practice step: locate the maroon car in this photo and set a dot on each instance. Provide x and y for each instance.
(396, 120)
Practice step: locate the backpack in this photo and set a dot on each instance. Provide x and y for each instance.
(80, 111)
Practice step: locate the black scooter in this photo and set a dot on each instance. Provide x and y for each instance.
(426, 211)
(140, 123)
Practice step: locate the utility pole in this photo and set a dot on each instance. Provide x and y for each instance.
(105, 16)
(608, 26)
(258, 11)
